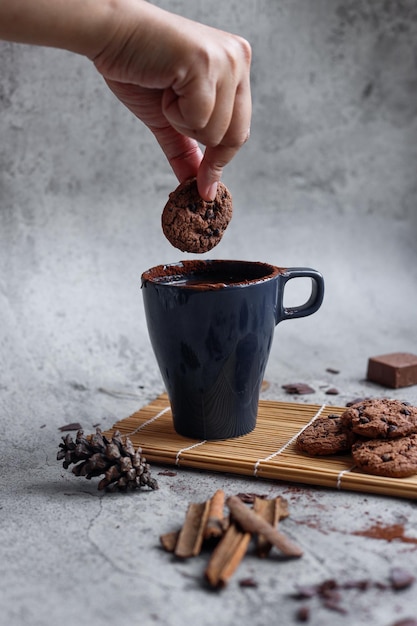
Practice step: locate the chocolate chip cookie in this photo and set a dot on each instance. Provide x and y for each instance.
(395, 458)
(326, 435)
(381, 419)
(192, 224)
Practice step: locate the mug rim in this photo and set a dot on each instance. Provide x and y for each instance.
(156, 274)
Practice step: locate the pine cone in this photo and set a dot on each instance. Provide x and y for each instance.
(124, 468)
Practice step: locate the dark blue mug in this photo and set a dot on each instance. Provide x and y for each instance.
(211, 325)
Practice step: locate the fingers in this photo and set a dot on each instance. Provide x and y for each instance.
(183, 153)
(216, 115)
(218, 156)
(213, 102)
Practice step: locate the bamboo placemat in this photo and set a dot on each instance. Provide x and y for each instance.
(267, 452)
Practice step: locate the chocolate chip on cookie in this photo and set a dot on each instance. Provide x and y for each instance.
(395, 458)
(381, 419)
(326, 435)
(192, 224)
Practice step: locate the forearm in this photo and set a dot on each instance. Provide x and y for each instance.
(80, 26)
(189, 83)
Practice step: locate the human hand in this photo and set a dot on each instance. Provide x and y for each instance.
(187, 82)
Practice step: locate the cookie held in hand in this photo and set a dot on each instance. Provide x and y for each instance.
(192, 224)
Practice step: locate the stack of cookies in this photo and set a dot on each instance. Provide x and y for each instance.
(381, 435)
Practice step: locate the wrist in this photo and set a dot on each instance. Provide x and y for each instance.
(131, 28)
(80, 26)
(89, 24)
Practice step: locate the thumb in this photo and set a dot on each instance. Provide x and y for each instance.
(211, 169)
(183, 153)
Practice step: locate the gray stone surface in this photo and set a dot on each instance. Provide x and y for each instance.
(327, 180)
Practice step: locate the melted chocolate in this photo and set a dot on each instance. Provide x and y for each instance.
(207, 275)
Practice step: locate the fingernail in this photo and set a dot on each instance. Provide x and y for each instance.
(211, 191)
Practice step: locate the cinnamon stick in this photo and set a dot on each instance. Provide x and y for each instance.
(190, 538)
(203, 521)
(215, 525)
(169, 540)
(252, 522)
(271, 510)
(227, 555)
(232, 548)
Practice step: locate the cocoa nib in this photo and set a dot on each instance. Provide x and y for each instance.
(303, 614)
(298, 388)
(249, 498)
(401, 578)
(356, 401)
(71, 426)
(330, 592)
(248, 582)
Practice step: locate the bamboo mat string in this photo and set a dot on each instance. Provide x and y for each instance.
(149, 421)
(194, 445)
(289, 442)
(340, 476)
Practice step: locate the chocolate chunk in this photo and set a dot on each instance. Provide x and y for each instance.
(248, 582)
(401, 578)
(398, 369)
(303, 614)
(249, 498)
(71, 426)
(298, 388)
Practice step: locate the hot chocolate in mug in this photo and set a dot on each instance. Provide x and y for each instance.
(211, 324)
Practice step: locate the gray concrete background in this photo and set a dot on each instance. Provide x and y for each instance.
(328, 179)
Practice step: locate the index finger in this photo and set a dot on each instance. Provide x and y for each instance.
(217, 157)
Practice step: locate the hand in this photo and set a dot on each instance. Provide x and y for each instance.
(187, 82)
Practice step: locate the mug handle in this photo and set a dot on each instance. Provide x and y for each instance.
(313, 303)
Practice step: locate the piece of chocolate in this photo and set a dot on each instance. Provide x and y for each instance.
(298, 388)
(398, 369)
(357, 401)
(303, 614)
(401, 578)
